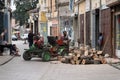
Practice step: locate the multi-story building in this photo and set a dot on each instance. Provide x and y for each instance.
(52, 16)
(93, 17)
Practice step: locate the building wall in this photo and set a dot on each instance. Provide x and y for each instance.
(82, 7)
(63, 1)
(95, 4)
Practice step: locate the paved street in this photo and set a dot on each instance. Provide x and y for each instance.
(18, 69)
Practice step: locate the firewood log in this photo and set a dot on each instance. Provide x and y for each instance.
(97, 62)
(86, 61)
(77, 62)
(72, 62)
(75, 58)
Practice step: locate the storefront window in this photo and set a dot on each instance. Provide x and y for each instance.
(118, 35)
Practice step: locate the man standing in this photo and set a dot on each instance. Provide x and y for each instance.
(65, 41)
(30, 38)
(100, 41)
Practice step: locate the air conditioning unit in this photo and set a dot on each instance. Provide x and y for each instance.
(76, 15)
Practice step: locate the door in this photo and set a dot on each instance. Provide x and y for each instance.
(117, 35)
(88, 28)
(82, 28)
(106, 29)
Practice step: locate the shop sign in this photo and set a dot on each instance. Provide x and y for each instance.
(87, 5)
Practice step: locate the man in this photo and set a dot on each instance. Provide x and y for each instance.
(4, 43)
(100, 41)
(65, 41)
(30, 38)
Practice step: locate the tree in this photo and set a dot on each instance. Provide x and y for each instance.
(1, 4)
(22, 8)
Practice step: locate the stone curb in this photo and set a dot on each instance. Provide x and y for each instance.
(7, 61)
(115, 66)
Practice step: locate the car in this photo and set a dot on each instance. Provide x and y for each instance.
(14, 38)
(24, 36)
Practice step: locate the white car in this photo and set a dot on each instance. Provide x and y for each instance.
(14, 38)
(24, 36)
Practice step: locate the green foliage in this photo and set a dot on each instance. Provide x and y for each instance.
(1, 4)
(22, 8)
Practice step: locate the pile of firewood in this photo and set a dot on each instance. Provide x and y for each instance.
(84, 55)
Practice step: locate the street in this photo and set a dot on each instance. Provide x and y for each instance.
(18, 69)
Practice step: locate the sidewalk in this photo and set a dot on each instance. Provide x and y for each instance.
(5, 58)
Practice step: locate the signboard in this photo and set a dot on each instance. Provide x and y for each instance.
(43, 17)
(71, 5)
(87, 5)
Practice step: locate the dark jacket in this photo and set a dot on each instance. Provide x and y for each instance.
(30, 37)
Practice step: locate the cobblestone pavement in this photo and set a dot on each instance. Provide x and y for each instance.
(18, 69)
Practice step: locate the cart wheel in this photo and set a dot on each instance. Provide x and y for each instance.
(46, 56)
(27, 56)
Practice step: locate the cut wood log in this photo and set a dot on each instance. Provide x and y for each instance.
(95, 56)
(59, 58)
(86, 61)
(86, 53)
(103, 61)
(85, 57)
(72, 62)
(78, 55)
(97, 62)
(77, 62)
(75, 58)
(99, 52)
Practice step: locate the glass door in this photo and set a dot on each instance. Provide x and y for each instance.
(118, 35)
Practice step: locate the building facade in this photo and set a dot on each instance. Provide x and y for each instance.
(94, 17)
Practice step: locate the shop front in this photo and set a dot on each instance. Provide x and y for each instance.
(117, 34)
(115, 19)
